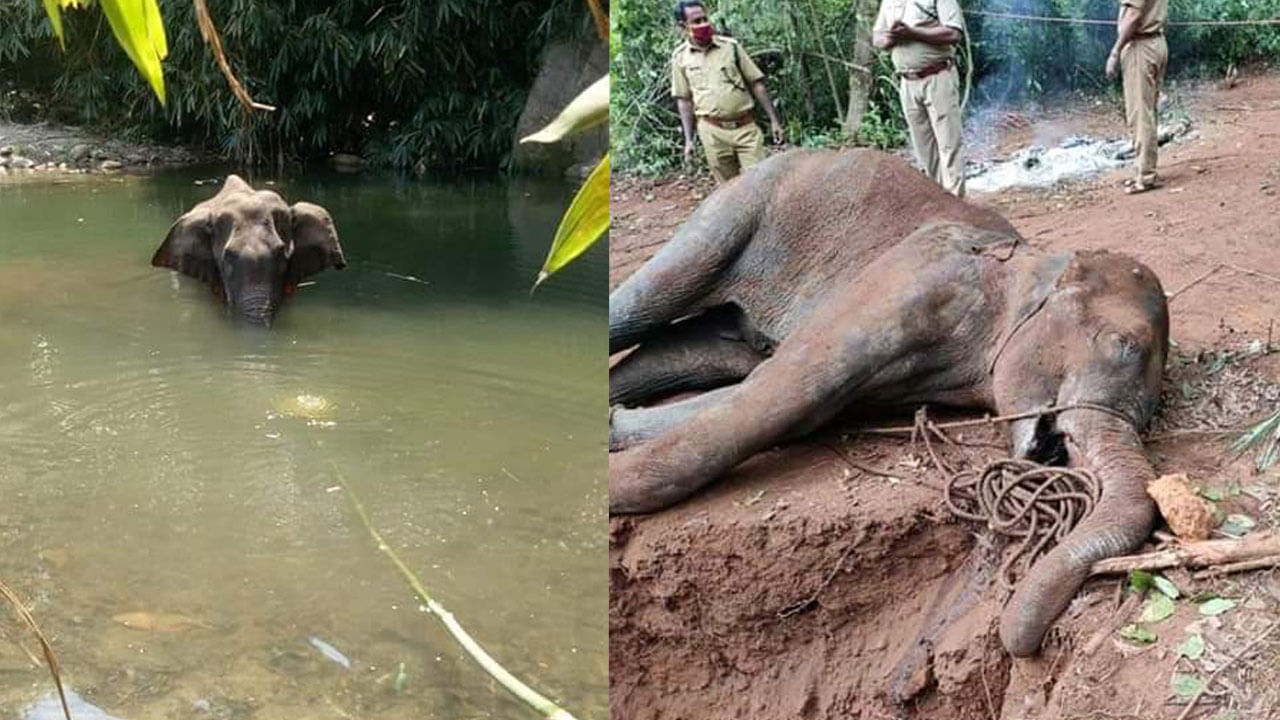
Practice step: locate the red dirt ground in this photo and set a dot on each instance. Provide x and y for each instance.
(805, 587)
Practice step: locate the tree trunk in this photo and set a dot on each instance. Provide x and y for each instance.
(860, 83)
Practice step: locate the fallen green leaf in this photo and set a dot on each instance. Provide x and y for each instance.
(1237, 525)
(1157, 608)
(1187, 685)
(1137, 633)
(583, 224)
(55, 19)
(1216, 606)
(1225, 715)
(1191, 648)
(1212, 493)
(1166, 586)
(1140, 580)
(589, 109)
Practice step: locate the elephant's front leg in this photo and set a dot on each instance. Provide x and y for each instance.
(874, 338)
(810, 379)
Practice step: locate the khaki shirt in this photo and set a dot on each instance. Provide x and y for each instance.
(913, 56)
(1153, 15)
(718, 79)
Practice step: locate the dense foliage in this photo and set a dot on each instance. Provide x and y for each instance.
(805, 47)
(411, 84)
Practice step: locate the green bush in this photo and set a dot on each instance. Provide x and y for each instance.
(786, 39)
(438, 84)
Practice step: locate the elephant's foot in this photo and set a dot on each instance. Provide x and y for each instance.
(704, 352)
(638, 483)
(630, 428)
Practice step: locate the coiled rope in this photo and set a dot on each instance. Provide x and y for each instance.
(1036, 504)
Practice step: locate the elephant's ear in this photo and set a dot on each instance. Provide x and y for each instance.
(188, 248)
(315, 243)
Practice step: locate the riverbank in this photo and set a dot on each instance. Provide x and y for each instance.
(50, 147)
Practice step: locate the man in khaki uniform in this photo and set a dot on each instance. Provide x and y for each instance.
(1140, 48)
(922, 35)
(714, 82)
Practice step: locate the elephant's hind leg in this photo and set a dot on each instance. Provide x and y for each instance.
(687, 268)
(633, 427)
(697, 354)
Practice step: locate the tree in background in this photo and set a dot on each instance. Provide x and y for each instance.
(831, 90)
(413, 85)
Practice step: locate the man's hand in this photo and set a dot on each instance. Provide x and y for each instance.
(688, 151)
(1113, 63)
(779, 136)
(900, 32)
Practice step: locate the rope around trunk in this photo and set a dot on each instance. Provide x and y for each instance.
(1037, 504)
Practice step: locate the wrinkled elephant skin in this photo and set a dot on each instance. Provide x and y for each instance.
(251, 248)
(824, 280)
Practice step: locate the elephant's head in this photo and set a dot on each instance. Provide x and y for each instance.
(1100, 338)
(251, 247)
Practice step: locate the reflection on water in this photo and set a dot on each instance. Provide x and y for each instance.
(164, 465)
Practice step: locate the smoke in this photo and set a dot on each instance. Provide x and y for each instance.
(1017, 60)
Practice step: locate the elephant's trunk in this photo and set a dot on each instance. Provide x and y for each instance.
(1119, 524)
(257, 311)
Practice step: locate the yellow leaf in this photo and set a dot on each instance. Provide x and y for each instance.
(589, 109)
(583, 224)
(55, 19)
(155, 28)
(130, 21)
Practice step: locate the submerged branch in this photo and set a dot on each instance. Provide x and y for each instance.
(507, 680)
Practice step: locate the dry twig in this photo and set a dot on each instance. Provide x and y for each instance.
(1206, 553)
(210, 34)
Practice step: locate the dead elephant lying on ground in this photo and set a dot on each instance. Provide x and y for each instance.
(823, 280)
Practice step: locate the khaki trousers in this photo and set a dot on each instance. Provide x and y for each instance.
(1143, 62)
(729, 152)
(932, 107)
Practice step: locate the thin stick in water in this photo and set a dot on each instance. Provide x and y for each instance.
(507, 680)
(25, 616)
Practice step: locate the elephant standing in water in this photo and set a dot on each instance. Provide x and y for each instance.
(824, 280)
(251, 247)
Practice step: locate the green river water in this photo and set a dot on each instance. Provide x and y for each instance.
(156, 458)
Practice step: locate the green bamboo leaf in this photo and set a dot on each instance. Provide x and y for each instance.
(583, 224)
(129, 22)
(589, 109)
(155, 28)
(55, 19)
